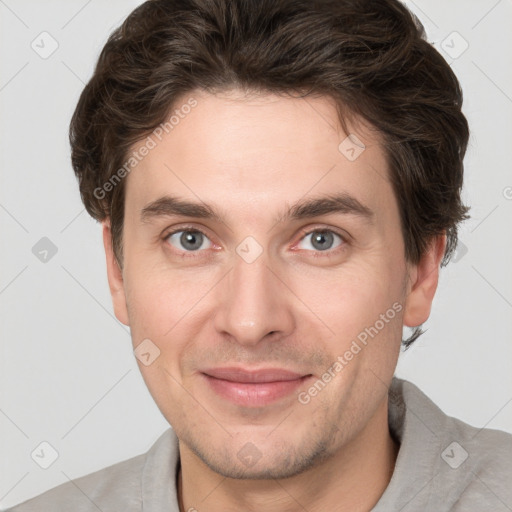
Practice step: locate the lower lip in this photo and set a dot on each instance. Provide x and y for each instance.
(252, 394)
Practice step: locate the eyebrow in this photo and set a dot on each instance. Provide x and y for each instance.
(342, 203)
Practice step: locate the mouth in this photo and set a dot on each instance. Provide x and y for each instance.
(253, 388)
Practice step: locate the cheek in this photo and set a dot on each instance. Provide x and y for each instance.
(155, 311)
(350, 298)
(154, 306)
(168, 307)
(155, 291)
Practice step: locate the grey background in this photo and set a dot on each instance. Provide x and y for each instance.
(67, 373)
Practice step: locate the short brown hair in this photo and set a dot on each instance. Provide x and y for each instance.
(371, 57)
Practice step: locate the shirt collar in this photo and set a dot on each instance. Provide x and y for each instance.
(159, 475)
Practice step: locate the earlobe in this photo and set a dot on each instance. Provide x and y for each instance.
(422, 287)
(115, 277)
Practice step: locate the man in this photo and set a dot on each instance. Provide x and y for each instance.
(278, 184)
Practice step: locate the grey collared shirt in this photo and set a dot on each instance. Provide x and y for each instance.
(443, 465)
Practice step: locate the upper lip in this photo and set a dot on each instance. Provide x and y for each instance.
(234, 374)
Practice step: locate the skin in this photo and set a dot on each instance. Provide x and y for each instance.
(250, 158)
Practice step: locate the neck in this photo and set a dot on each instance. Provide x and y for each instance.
(352, 480)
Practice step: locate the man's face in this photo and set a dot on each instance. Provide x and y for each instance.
(268, 284)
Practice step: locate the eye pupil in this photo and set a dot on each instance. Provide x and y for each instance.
(322, 241)
(191, 240)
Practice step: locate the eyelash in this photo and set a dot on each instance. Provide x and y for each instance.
(329, 252)
(303, 234)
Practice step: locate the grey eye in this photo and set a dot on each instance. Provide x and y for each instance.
(320, 240)
(189, 240)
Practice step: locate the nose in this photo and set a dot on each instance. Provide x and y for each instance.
(253, 303)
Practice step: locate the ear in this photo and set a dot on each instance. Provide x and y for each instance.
(423, 279)
(115, 277)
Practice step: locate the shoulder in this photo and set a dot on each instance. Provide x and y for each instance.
(481, 460)
(142, 482)
(116, 487)
(484, 446)
(470, 468)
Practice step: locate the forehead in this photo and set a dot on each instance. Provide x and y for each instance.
(252, 153)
